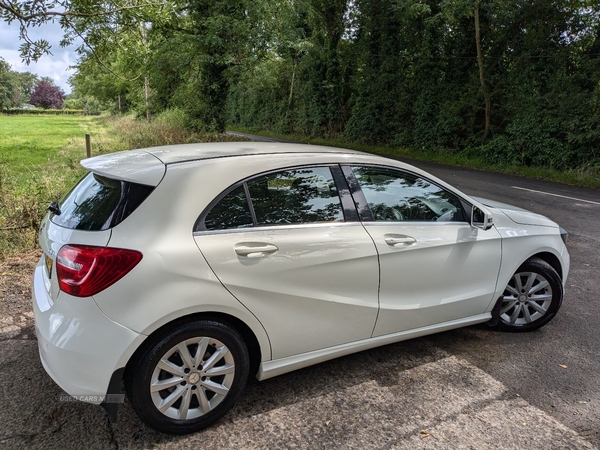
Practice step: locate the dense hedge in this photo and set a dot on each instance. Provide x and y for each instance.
(408, 74)
(55, 112)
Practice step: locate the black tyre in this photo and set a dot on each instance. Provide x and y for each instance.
(532, 297)
(188, 377)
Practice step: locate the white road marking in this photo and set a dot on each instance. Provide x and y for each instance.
(556, 195)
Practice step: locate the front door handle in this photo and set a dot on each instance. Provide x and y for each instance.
(254, 249)
(399, 240)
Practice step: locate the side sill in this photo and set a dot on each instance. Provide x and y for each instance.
(280, 366)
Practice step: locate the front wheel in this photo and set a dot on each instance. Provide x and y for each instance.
(188, 377)
(532, 297)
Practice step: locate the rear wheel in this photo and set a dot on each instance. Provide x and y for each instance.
(531, 298)
(188, 377)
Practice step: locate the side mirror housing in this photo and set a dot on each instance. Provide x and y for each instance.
(481, 218)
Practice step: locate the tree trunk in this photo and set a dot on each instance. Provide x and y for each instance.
(484, 89)
(292, 85)
(147, 93)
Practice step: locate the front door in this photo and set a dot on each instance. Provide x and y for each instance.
(435, 267)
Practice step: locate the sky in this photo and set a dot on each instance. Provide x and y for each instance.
(55, 66)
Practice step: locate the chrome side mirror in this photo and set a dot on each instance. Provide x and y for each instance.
(481, 218)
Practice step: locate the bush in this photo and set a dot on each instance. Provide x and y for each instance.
(167, 128)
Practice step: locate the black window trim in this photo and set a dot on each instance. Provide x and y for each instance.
(358, 197)
(347, 203)
(360, 200)
(348, 206)
(248, 202)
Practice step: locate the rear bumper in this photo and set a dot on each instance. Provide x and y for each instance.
(79, 346)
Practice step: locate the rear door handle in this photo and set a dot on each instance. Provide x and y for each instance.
(399, 240)
(254, 249)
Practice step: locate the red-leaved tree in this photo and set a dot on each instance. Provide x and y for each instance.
(47, 96)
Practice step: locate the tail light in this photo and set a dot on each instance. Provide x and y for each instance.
(84, 270)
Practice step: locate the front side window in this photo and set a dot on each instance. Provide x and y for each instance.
(296, 196)
(398, 196)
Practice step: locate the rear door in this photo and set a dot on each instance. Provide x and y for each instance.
(435, 267)
(286, 245)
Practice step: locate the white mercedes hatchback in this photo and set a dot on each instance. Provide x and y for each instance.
(182, 270)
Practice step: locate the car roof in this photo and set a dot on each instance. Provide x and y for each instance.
(170, 154)
(147, 165)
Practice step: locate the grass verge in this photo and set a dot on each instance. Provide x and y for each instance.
(39, 162)
(584, 177)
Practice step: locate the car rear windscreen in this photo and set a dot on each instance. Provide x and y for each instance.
(98, 203)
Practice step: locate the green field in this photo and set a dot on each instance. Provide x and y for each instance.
(39, 162)
(42, 143)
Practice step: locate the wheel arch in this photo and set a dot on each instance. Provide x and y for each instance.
(250, 339)
(551, 259)
(518, 312)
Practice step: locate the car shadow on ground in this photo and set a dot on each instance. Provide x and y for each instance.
(37, 416)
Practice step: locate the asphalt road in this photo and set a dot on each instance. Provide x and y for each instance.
(531, 364)
(467, 388)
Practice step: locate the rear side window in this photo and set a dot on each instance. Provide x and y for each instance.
(231, 212)
(306, 195)
(98, 203)
(289, 197)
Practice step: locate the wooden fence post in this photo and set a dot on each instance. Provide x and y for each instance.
(88, 146)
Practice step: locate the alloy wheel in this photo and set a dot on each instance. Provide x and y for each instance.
(192, 378)
(526, 298)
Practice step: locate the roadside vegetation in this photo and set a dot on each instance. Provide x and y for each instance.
(39, 161)
(508, 85)
(585, 176)
(504, 83)
(501, 85)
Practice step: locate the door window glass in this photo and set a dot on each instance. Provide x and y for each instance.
(231, 211)
(304, 195)
(397, 196)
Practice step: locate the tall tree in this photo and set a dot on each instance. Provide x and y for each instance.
(484, 88)
(27, 82)
(217, 31)
(9, 86)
